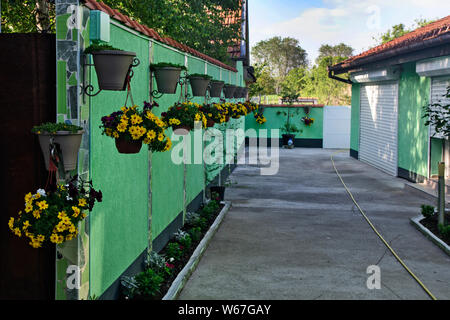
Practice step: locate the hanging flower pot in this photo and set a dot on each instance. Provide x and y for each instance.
(199, 84)
(210, 123)
(167, 76)
(244, 92)
(216, 87)
(181, 130)
(183, 116)
(67, 136)
(238, 93)
(128, 147)
(229, 90)
(131, 128)
(111, 65)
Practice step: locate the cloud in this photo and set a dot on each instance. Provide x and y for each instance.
(353, 22)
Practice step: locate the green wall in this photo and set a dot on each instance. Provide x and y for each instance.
(414, 93)
(118, 225)
(276, 121)
(354, 131)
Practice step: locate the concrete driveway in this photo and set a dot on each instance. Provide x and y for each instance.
(297, 235)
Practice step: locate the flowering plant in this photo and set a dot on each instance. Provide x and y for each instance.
(213, 112)
(251, 107)
(308, 121)
(53, 216)
(260, 117)
(236, 110)
(184, 115)
(131, 124)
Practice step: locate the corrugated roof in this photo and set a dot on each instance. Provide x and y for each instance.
(127, 21)
(428, 32)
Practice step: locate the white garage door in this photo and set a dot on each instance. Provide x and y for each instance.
(378, 126)
(336, 127)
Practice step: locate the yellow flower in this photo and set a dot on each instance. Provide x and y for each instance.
(122, 127)
(76, 211)
(135, 119)
(108, 132)
(11, 223)
(40, 238)
(160, 137)
(28, 197)
(42, 205)
(82, 202)
(62, 214)
(198, 117)
(124, 109)
(72, 229)
(54, 238)
(26, 225)
(115, 134)
(174, 121)
(168, 144)
(28, 207)
(36, 244)
(69, 237)
(60, 226)
(151, 134)
(17, 232)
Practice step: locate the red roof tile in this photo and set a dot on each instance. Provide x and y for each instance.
(428, 32)
(115, 14)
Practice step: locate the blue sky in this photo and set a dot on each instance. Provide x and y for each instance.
(354, 22)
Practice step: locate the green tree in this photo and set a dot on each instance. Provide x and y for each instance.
(265, 83)
(28, 16)
(295, 82)
(281, 55)
(399, 30)
(340, 50)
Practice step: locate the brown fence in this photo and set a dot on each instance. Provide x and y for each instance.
(27, 98)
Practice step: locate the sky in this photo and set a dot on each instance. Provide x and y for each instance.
(353, 22)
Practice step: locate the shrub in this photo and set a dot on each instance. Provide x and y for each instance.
(427, 211)
(195, 233)
(173, 250)
(165, 65)
(148, 283)
(444, 230)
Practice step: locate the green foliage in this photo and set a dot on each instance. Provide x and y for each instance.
(195, 233)
(50, 127)
(340, 50)
(280, 55)
(427, 211)
(437, 115)
(186, 241)
(27, 16)
(289, 128)
(95, 47)
(173, 250)
(399, 30)
(209, 209)
(165, 65)
(200, 24)
(148, 283)
(265, 83)
(200, 75)
(444, 230)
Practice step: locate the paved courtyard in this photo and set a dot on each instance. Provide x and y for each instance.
(298, 235)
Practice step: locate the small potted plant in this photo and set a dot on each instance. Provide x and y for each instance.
(199, 84)
(259, 117)
(167, 76)
(288, 138)
(67, 136)
(215, 90)
(238, 110)
(52, 216)
(213, 113)
(111, 65)
(182, 117)
(238, 92)
(308, 121)
(131, 127)
(229, 90)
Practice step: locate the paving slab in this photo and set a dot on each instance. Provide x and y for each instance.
(297, 235)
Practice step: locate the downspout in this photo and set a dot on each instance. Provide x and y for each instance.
(332, 76)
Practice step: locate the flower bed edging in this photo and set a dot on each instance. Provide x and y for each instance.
(441, 244)
(184, 275)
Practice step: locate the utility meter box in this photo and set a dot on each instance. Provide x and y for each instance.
(99, 26)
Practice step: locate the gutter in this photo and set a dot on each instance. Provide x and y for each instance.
(345, 67)
(332, 76)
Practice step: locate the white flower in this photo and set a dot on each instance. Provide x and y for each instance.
(69, 198)
(41, 192)
(171, 259)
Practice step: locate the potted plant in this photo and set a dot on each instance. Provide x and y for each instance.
(182, 117)
(111, 65)
(308, 121)
(228, 90)
(52, 216)
(238, 92)
(288, 138)
(199, 84)
(131, 127)
(66, 136)
(167, 76)
(215, 90)
(237, 110)
(213, 113)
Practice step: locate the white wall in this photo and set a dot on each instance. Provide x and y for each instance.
(336, 127)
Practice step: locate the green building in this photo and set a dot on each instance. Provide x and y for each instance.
(391, 84)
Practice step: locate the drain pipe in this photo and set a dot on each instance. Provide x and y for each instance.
(332, 76)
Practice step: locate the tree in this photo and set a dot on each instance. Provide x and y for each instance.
(399, 30)
(281, 55)
(28, 16)
(294, 82)
(340, 50)
(264, 84)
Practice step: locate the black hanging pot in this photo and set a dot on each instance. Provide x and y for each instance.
(229, 90)
(112, 68)
(238, 92)
(215, 90)
(199, 86)
(167, 79)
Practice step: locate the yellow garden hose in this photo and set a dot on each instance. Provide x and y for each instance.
(378, 234)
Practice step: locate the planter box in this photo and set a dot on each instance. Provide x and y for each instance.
(69, 143)
(112, 68)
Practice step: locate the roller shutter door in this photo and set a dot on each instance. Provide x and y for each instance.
(379, 126)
